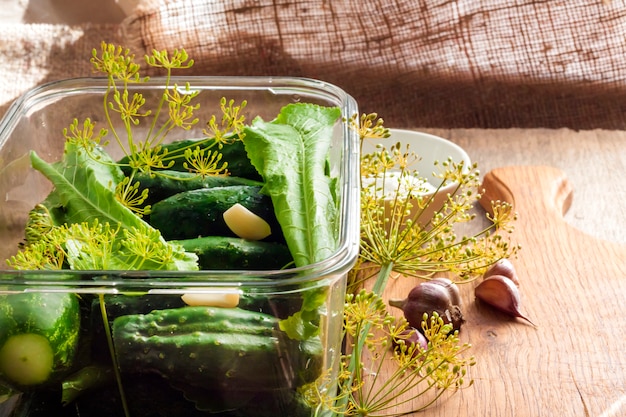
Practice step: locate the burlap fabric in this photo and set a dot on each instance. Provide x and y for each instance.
(34, 54)
(418, 63)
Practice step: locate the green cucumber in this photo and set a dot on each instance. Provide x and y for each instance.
(166, 183)
(117, 305)
(233, 253)
(234, 154)
(200, 212)
(218, 349)
(39, 335)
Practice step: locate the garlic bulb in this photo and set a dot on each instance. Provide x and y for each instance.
(428, 297)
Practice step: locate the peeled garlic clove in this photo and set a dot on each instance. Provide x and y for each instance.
(245, 223)
(505, 268)
(501, 293)
(212, 298)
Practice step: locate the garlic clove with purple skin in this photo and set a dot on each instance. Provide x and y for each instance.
(505, 268)
(411, 341)
(501, 293)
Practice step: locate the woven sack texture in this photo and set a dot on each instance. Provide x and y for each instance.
(418, 63)
(35, 54)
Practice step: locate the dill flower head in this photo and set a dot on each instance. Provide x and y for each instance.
(405, 231)
(412, 225)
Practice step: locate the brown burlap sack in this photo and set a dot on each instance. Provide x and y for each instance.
(34, 54)
(418, 63)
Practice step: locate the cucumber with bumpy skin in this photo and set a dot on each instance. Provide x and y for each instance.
(167, 183)
(219, 349)
(233, 153)
(117, 305)
(197, 213)
(233, 253)
(39, 335)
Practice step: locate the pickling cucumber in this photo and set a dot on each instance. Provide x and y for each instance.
(218, 349)
(195, 213)
(168, 182)
(39, 335)
(231, 253)
(234, 154)
(117, 305)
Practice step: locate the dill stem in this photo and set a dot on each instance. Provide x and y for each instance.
(116, 368)
(355, 358)
(112, 87)
(149, 139)
(382, 278)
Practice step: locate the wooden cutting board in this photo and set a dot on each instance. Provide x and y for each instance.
(573, 287)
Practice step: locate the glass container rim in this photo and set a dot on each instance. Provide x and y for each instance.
(339, 263)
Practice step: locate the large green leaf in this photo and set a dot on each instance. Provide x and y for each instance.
(84, 193)
(291, 154)
(85, 188)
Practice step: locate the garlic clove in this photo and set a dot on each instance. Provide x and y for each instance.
(411, 341)
(505, 268)
(501, 293)
(245, 223)
(223, 297)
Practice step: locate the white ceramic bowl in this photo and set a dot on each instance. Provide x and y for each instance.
(429, 148)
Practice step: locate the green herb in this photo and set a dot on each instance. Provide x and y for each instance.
(82, 226)
(305, 323)
(397, 240)
(144, 148)
(291, 154)
(91, 220)
(378, 380)
(84, 186)
(119, 65)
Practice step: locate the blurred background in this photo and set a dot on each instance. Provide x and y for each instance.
(63, 11)
(427, 64)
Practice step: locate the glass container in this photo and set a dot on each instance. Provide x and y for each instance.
(172, 363)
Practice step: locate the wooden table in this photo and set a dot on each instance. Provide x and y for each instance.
(594, 163)
(572, 269)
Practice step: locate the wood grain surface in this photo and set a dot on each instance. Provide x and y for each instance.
(573, 288)
(593, 161)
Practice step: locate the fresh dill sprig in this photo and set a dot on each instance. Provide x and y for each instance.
(399, 235)
(92, 246)
(401, 232)
(127, 193)
(144, 148)
(384, 376)
(231, 125)
(121, 70)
